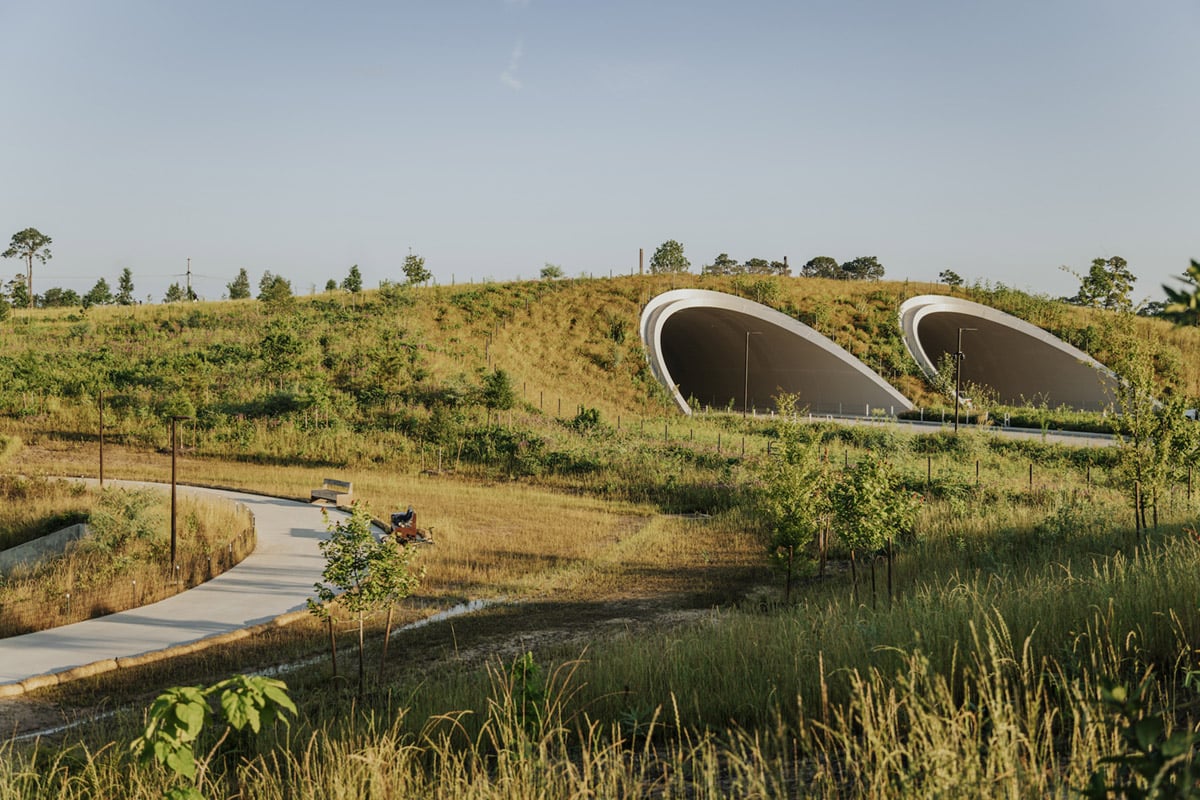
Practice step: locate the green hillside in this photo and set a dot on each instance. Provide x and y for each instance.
(407, 366)
(631, 553)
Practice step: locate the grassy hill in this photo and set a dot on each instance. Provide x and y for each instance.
(624, 551)
(407, 367)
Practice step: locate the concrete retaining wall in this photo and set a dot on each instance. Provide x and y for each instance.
(43, 547)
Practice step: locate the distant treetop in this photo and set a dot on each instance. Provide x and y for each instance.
(353, 281)
(239, 287)
(27, 245)
(821, 267)
(950, 278)
(669, 258)
(414, 270)
(1107, 285)
(724, 265)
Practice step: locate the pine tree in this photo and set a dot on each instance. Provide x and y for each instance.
(239, 287)
(353, 282)
(125, 288)
(98, 295)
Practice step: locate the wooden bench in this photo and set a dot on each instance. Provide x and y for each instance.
(333, 491)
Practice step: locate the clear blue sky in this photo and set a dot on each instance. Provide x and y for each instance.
(1000, 140)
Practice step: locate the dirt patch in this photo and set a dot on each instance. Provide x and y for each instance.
(22, 714)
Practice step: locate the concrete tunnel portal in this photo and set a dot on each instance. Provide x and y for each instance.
(711, 349)
(1020, 362)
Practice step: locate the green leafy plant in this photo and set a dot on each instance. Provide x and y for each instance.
(586, 421)
(497, 392)
(871, 507)
(529, 692)
(395, 295)
(27, 245)
(1152, 764)
(362, 573)
(275, 292)
(415, 271)
(178, 716)
(123, 515)
(239, 287)
(1183, 304)
(1153, 436)
(793, 491)
(669, 258)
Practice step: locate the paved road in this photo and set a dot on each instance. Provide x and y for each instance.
(1072, 438)
(275, 579)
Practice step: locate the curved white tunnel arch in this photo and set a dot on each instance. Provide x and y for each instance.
(1021, 362)
(720, 351)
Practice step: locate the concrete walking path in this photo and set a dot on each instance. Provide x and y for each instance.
(275, 579)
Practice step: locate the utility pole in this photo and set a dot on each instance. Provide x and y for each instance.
(746, 385)
(189, 281)
(101, 438)
(958, 359)
(174, 452)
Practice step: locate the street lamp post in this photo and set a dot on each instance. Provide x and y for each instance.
(101, 438)
(958, 358)
(174, 452)
(746, 383)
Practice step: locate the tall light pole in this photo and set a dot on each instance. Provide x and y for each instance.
(746, 384)
(101, 438)
(174, 452)
(958, 358)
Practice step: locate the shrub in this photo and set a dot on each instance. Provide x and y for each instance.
(395, 295)
(122, 515)
(497, 391)
(586, 421)
(944, 442)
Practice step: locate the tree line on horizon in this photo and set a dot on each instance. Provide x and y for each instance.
(669, 257)
(1107, 284)
(31, 245)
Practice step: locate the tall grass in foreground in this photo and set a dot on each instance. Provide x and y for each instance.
(1016, 726)
(938, 696)
(970, 685)
(907, 700)
(1114, 616)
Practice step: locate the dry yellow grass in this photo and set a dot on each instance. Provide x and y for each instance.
(9, 445)
(86, 580)
(493, 539)
(31, 507)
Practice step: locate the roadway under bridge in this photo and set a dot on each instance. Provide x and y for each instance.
(716, 350)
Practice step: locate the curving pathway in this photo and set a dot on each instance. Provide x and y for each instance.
(275, 579)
